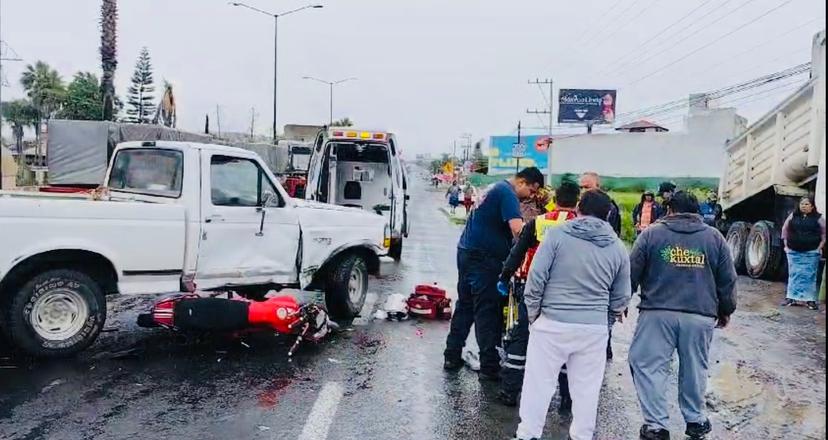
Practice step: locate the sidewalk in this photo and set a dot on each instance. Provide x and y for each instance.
(459, 216)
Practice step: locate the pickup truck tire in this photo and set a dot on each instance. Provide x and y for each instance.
(763, 251)
(56, 313)
(395, 251)
(347, 288)
(736, 239)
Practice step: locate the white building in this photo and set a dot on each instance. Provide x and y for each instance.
(646, 150)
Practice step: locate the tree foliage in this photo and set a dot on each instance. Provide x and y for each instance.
(20, 114)
(44, 87)
(83, 98)
(109, 60)
(344, 122)
(140, 97)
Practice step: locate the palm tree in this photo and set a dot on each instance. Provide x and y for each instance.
(109, 60)
(44, 86)
(20, 114)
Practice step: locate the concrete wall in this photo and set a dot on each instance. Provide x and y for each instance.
(697, 151)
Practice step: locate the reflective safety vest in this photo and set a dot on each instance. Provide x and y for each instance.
(543, 223)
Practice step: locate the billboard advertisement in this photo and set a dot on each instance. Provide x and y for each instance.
(532, 149)
(586, 105)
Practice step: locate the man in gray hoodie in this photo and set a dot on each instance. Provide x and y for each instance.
(579, 274)
(688, 287)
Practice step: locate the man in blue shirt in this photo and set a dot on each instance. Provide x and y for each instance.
(484, 245)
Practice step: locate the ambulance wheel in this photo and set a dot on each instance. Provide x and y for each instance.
(395, 251)
(347, 288)
(736, 239)
(56, 313)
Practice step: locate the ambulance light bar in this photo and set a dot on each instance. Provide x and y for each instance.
(353, 134)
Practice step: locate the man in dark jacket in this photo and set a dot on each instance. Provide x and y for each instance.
(688, 287)
(517, 266)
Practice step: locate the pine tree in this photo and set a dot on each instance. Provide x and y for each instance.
(140, 94)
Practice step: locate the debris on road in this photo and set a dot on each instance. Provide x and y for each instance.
(396, 307)
(472, 360)
(429, 301)
(52, 384)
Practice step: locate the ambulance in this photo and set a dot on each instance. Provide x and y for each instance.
(362, 169)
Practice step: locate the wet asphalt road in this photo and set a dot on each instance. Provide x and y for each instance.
(383, 380)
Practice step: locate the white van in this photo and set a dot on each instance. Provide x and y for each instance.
(362, 169)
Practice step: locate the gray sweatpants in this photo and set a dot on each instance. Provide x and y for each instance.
(658, 334)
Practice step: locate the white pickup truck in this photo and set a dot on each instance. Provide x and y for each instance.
(171, 217)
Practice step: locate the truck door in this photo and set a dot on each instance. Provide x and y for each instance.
(237, 246)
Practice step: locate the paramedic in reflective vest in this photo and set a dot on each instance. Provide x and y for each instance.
(517, 265)
(483, 246)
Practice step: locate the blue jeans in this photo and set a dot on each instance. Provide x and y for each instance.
(478, 303)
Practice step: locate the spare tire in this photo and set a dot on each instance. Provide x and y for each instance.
(737, 236)
(763, 251)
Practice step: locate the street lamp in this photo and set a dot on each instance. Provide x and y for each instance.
(275, 45)
(330, 84)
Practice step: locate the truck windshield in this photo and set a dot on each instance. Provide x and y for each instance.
(153, 172)
(300, 158)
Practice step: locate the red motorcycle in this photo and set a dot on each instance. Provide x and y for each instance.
(282, 314)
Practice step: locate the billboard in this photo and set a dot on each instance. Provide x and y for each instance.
(502, 148)
(586, 105)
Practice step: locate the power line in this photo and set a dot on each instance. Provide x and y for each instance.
(693, 52)
(668, 47)
(658, 34)
(595, 36)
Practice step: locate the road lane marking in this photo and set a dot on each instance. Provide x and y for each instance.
(321, 416)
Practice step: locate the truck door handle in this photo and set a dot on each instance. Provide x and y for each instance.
(214, 218)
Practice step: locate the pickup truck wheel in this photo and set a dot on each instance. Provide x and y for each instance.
(56, 313)
(395, 251)
(763, 251)
(347, 288)
(736, 239)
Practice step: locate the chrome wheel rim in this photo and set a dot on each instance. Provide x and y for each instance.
(356, 284)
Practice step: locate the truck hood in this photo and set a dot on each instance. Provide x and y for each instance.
(315, 211)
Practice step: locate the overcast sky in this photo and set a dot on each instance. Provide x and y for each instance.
(430, 70)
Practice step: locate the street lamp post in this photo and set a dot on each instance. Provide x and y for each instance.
(330, 84)
(275, 49)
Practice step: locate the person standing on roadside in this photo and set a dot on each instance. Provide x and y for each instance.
(711, 210)
(453, 195)
(517, 266)
(468, 197)
(688, 287)
(483, 246)
(590, 180)
(804, 236)
(579, 274)
(645, 213)
(666, 190)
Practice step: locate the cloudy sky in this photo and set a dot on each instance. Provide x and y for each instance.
(430, 70)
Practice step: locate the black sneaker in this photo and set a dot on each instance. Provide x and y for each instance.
(698, 431)
(507, 399)
(812, 305)
(565, 408)
(788, 303)
(653, 434)
(452, 364)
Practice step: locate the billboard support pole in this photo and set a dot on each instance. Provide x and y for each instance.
(517, 165)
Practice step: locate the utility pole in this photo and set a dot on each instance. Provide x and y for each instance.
(218, 120)
(252, 122)
(549, 112)
(1, 101)
(517, 165)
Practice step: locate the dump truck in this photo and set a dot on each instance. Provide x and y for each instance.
(769, 167)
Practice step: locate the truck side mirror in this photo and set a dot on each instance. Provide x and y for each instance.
(268, 200)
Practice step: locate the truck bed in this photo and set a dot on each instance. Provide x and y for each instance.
(144, 241)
